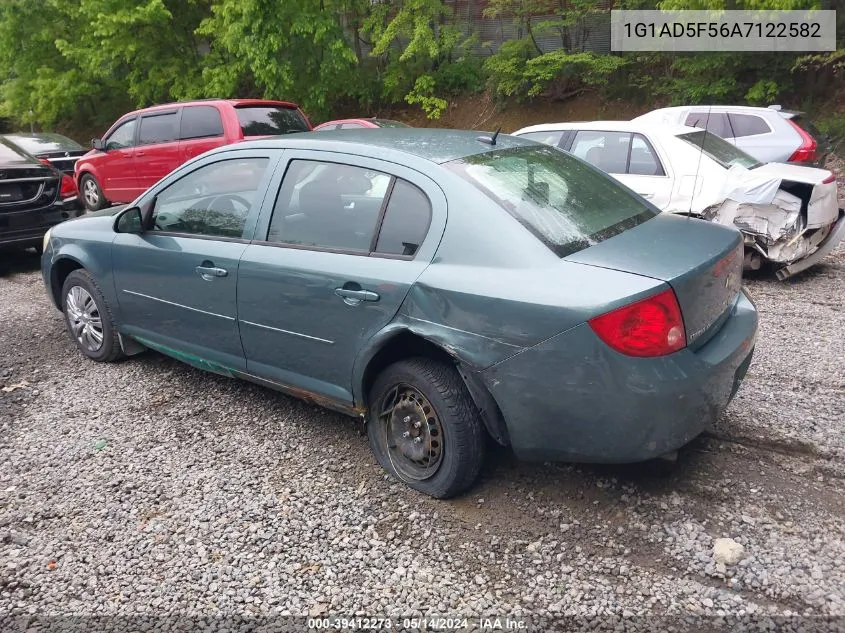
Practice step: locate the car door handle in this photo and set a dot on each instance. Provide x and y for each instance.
(646, 195)
(209, 272)
(354, 297)
(140, 153)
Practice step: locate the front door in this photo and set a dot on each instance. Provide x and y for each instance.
(117, 173)
(177, 283)
(334, 256)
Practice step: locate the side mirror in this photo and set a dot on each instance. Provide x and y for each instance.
(98, 144)
(130, 221)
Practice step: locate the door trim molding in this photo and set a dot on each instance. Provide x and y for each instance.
(299, 334)
(178, 305)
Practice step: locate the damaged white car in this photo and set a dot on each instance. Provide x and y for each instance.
(788, 214)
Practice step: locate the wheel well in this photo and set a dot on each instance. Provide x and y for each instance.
(408, 345)
(61, 269)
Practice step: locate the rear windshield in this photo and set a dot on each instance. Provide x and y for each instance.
(568, 204)
(270, 121)
(720, 150)
(45, 143)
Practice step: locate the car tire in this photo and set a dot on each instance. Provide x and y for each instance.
(92, 194)
(424, 428)
(89, 319)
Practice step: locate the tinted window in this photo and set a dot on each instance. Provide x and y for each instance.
(718, 149)
(270, 121)
(549, 138)
(644, 161)
(568, 205)
(405, 221)
(123, 136)
(748, 125)
(714, 122)
(214, 200)
(606, 150)
(158, 129)
(200, 122)
(328, 205)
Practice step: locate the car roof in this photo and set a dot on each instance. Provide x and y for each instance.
(233, 102)
(432, 144)
(730, 108)
(643, 127)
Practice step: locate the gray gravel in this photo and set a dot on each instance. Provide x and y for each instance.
(148, 487)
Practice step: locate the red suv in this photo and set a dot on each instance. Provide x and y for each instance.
(146, 145)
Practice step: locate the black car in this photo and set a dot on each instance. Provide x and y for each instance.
(60, 151)
(30, 201)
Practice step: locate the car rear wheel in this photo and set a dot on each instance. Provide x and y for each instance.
(89, 319)
(92, 195)
(424, 428)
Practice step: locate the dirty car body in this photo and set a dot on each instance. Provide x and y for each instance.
(582, 323)
(788, 214)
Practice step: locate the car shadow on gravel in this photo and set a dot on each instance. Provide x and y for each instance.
(15, 262)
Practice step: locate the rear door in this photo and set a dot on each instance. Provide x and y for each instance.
(158, 147)
(200, 130)
(335, 252)
(117, 167)
(177, 283)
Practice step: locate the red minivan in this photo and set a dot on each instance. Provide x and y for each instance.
(144, 146)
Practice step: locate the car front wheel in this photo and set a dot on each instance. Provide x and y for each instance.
(88, 318)
(92, 195)
(424, 428)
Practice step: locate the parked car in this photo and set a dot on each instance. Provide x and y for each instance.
(550, 307)
(771, 135)
(144, 146)
(788, 214)
(355, 124)
(29, 198)
(53, 149)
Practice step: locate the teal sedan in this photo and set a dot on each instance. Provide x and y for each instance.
(445, 287)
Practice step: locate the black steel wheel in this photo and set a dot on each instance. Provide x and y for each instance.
(424, 428)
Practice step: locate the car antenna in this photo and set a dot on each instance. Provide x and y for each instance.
(700, 154)
(490, 140)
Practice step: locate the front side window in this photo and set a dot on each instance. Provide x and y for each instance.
(270, 120)
(606, 150)
(724, 153)
(547, 138)
(161, 128)
(123, 136)
(213, 201)
(329, 205)
(568, 205)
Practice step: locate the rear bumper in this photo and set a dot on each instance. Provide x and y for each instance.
(837, 233)
(572, 398)
(27, 227)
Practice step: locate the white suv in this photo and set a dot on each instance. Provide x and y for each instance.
(770, 135)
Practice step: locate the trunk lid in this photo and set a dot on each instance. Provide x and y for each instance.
(701, 261)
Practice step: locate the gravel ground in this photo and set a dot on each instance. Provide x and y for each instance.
(148, 487)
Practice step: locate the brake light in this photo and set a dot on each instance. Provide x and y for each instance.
(829, 179)
(68, 189)
(650, 327)
(806, 152)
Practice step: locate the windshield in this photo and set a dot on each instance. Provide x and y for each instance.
(720, 150)
(565, 202)
(270, 121)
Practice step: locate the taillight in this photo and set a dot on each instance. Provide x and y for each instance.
(68, 189)
(806, 152)
(829, 179)
(650, 327)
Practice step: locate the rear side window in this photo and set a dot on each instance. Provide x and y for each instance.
(270, 121)
(549, 138)
(160, 128)
(606, 150)
(714, 122)
(405, 221)
(350, 126)
(748, 125)
(200, 122)
(643, 160)
(567, 204)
